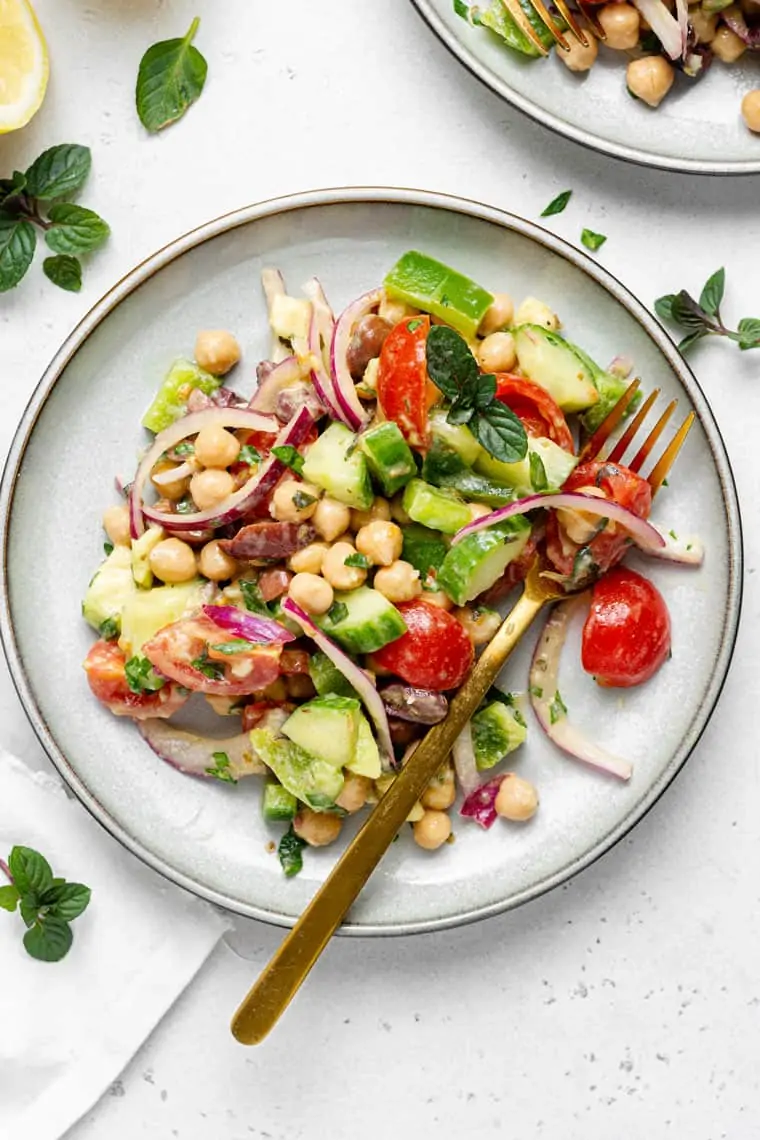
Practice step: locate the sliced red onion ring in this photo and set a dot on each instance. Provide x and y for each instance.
(480, 805)
(646, 536)
(688, 549)
(664, 25)
(320, 376)
(273, 284)
(194, 755)
(174, 474)
(354, 413)
(287, 372)
(355, 676)
(247, 626)
(464, 761)
(243, 500)
(544, 673)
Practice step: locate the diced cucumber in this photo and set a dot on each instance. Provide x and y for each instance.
(309, 778)
(499, 20)
(549, 360)
(147, 611)
(435, 508)
(557, 464)
(110, 589)
(388, 456)
(429, 285)
(370, 621)
(278, 805)
(456, 436)
(171, 399)
(480, 559)
(495, 733)
(366, 759)
(443, 467)
(141, 551)
(423, 548)
(336, 464)
(327, 678)
(327, 727)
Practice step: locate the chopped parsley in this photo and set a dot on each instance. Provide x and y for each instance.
(536, 691)
(413, 325)
(237, 645)
(221, 770)
(211, 669)
(141, 676)
(290, 852)
(288, 455)
(108, 548)
(109, 629)
(184, 449)
(557, 709)
(249, 454)
(337, 612)
(558, 204)
(359, 560)
(251, 594)
(302, 500)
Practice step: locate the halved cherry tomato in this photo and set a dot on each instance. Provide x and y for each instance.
(106, 676)
(434, 653)
(539, 412)
(621, 485)
(183, 652)
(626, 637)
(404, 389)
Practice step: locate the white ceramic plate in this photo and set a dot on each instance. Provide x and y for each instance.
(81, 429)
(698, 128)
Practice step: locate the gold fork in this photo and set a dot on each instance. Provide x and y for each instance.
(517, 13)
(281, 978)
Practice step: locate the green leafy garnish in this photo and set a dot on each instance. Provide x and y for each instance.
(170, 78)
(591, 240)
(221, 770)
(288, 455)
(108, 548)
(46, 904)
(252, 599)
(558, 204)
(109, 629)
(359, 560)
(337, 612)
(414, 324)
(182, 450)
(64, 271)
(214, 670)
(538, 478)
(249, 454)
(557, 709)
(141, 676)
(454, 370)
(290, 852)
(232, 648)
(301, 500)
(75, 229)
(536, 691)
(58, 172)
(702, 318)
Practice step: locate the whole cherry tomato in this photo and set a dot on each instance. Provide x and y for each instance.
(106, 676)
(434, 653)
(404, 389)
(539, 412)
(626, 637)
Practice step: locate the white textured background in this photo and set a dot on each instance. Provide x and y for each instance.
(627, 1004)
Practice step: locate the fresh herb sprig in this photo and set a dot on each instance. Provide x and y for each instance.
(703, 318)
(35, 200)
(558, 204)
(170, 78)
(47, 905)
(454, 370)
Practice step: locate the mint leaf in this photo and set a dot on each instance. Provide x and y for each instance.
(141, 676)
(592, 240)
(485, 391)
(30, 871)
(450, 364)
(64, 271)
(749, 332)
(170, 78)
(67, 901)
(290, 852)
(500, 432)
(221, 770)
(75, 229)
(29, 909)
(58, 172)
(249, 454)
(359, 560)
(49, 940)
(17, 244)
(538, 477)
(663, 306)
(289, 455)
(337, 612)
(712, 293)
(9, 897)
(558, 204)
(685, 344)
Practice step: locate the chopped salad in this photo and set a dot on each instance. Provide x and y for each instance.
(321, 561)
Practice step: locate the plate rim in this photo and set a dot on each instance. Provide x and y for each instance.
(500, 87)
(272, 207)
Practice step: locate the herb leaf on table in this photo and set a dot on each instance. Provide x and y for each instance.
(702, 318)
(47, 905)
(558, 204)
(170, 78)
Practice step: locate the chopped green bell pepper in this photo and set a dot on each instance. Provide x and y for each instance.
(171, 399)
(429, 285)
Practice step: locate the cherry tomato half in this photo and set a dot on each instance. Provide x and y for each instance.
(185, 652)
(539, 412)
(404, 389)
(434, 653)
(106, 676)
(626, 637)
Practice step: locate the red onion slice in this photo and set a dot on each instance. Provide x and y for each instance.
(320, 377)
(665, 26)
(464, 761)
(174, 474)
(194, 755)
(273, 284)
(480, 805)
(247, 626)
(354, 413)
(243, 500)
(355, 676)
(688, 549)
(287, 372)
(646, 536)
(544, 673)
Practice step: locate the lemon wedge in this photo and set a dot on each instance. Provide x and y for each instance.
(24, 64)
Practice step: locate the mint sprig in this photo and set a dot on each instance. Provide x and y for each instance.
(170, 78)
(703, 318)
(47, 905)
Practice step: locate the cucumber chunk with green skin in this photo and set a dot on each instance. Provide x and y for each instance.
(327, 678)
(366, 620)
(498, 19)
(435, 508)
(366, 759)
(444, 467)
(278, 805)
(495, 733)
(110, 589)
(310, 779)
(458, 437)
(327, 726)
(336, 464)
(423, 548)
(388, 456)
(145, 612)
(556, 462)
(548, 359)
(171, 399)
(141, 551)
(427, 284)
(480, 559)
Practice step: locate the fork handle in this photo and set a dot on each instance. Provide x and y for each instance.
(281, 978)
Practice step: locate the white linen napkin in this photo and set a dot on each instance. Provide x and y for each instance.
(68, 1028)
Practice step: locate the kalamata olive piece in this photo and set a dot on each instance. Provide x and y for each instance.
(423, 706)
(367, 339)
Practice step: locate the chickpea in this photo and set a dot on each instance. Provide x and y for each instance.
(727, 45)
(621, 24)
(517, 799)
(116, 525)
(437, 598)
(309, 559)
(650, 79)
(311, 593)
(210, 487)
(172, 560)
(394, 311)
(293, 501)
(300, 687)
(353, 797)
(380, 509)
(172, 490)
(580, 58)
(334, 568)
(441, 791)
(432, 830)
(216, 350)
(215, 564)
(704, 24)
(498, 315)
(497, 352)
(216, 447)
(751, 109)
(318, 828)
(331, 518)
(398, 514)
(399, 582)
(534, 312)
(381, 542)
(479, 623)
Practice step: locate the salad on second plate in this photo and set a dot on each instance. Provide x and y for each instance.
(322, 561)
